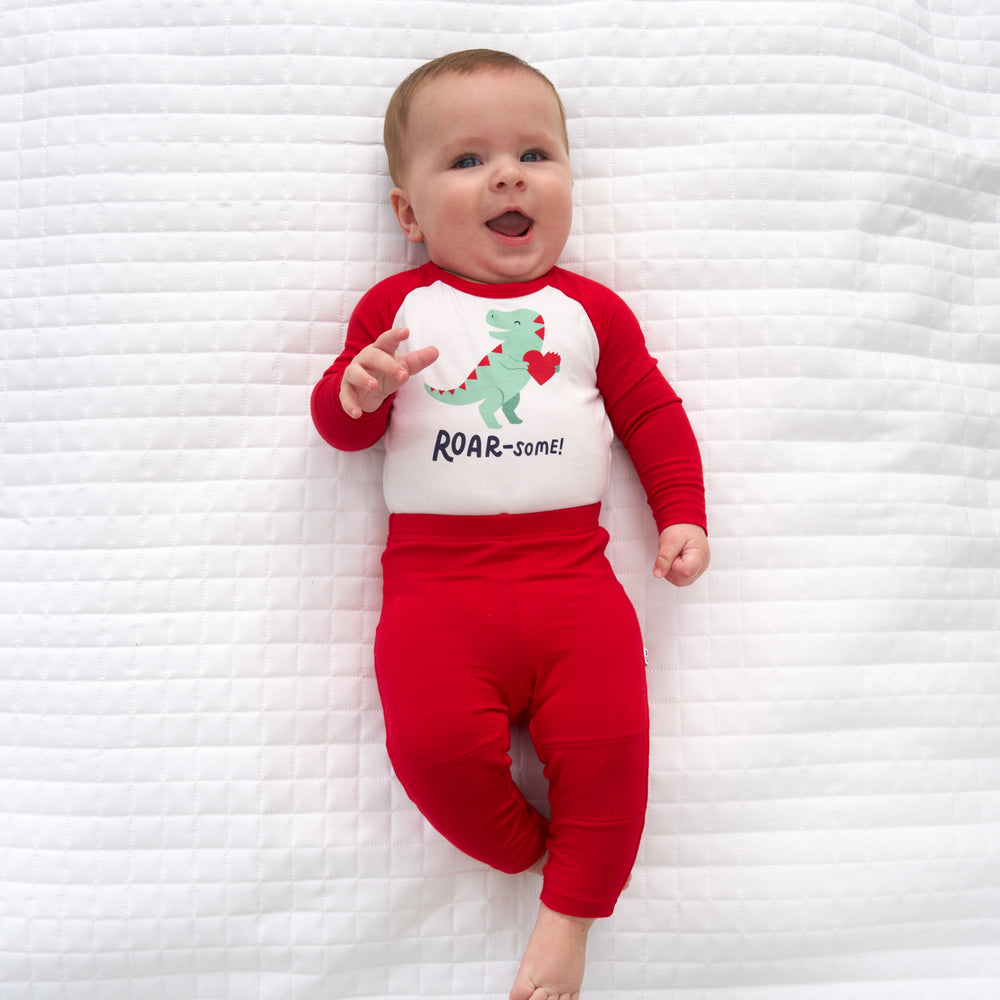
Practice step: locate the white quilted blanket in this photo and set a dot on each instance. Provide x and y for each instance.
(798, 199)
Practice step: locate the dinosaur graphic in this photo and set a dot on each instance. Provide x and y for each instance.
(496, 382)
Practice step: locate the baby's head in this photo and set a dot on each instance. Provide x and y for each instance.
(477, 149)
(465, 63)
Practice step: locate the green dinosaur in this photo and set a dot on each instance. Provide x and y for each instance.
(496, 382)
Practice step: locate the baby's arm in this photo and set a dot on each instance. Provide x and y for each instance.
(354, 416)
(665, 453)
(378, 370)
(649, 419)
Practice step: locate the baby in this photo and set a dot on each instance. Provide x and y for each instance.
(498, 601)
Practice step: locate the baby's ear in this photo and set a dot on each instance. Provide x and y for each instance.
(405, 216)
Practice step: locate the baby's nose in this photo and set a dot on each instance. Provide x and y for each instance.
(509, 175)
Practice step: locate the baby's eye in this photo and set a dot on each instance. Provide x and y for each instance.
(533, 157)
(467, 161)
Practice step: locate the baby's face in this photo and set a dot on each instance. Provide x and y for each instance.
(487, 185)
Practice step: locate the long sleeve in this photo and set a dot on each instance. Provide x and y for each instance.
(651, 423)
(648, 418)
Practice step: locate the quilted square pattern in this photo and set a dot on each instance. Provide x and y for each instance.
(798, 200)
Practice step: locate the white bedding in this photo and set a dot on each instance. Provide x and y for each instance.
(799, 200)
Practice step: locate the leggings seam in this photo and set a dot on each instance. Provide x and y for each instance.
(556, 744)
(488, 746)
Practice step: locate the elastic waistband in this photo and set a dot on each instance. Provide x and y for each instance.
(543, 522)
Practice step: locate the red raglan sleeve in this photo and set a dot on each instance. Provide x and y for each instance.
(373, 315)
(648, 417)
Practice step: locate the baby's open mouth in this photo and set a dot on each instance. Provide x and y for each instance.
(510, 224)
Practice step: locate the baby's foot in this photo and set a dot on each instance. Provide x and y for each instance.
(553, 963)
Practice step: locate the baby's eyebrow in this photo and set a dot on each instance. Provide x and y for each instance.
(465, 142)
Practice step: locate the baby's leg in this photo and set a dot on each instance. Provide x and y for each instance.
(473, 802)
(597, 791)
(442, 653)
(591, 729)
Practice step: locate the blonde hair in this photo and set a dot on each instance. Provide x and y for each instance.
(466, 62)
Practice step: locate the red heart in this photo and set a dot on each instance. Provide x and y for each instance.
(541, 367)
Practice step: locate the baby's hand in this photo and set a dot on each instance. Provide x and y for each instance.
(683, 554)
(379, 370)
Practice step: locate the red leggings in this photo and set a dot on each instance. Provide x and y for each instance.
(490, 619)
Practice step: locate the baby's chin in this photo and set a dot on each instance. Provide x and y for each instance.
(498, 276)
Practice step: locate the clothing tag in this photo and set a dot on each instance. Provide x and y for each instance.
(645, 655)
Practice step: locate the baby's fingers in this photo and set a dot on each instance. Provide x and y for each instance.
(389, 342)
(350, 398)
(382, 362)
(687, 567)
(375, 373)
(404, 365)
(370, 371)
(417, 361)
